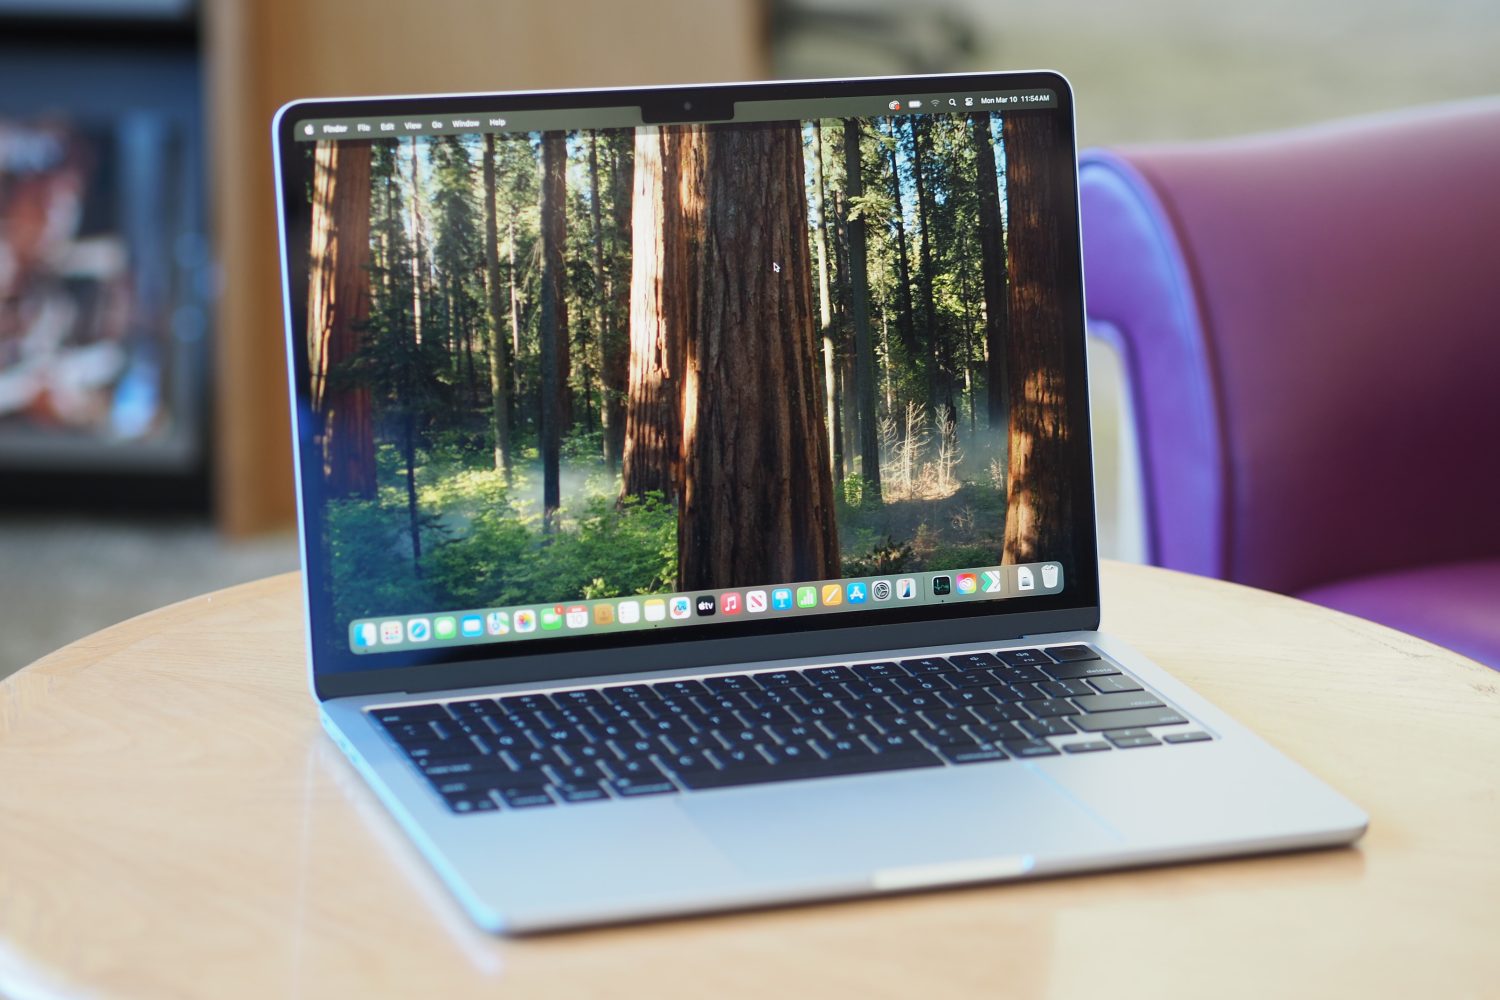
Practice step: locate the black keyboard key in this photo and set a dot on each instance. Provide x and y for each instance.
(590, 791)
(627, 693)
(630, 788)
(1029, 748)
(1020, 675)
(1083, 668)
(779, 679)
(768, 716)
(923, 684)
(907, 703)
(876, 671)
(668, 725)
(637, 749)
(1064, 689)
(1133, 718)
(472, 707)
(999, 732)
(1070, 654)
(891, 742)
(729, 683)
(691, 742)
(1022, 657)
(845, 747)
(937, 718)
(966, 698)
(853, 729)
(1117, 702)
(974, 661)
(817, 713)
(465, 802)
(948, 736)
(823, 676)
(580, 698)
(526, 702)
(817, 695)
(409, 713)
(927, 665)
(1113, 683)
(683, 689)
(525, 760)
(1046, 727)
(1000, 713)
(459, 768)
(972, 679)
(972, 754)
(524, 796)
(808, 769)
(563, 774)
(1196, 736)
(1049, 707)
(792, 734)
(1022, 691)
(1087, 746)
(1127, 742)
(791, 753)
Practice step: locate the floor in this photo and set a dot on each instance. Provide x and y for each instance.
(1149, 69)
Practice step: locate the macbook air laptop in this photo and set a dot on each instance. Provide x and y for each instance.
(697, 506)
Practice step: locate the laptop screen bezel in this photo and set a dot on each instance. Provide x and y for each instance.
(559, 658)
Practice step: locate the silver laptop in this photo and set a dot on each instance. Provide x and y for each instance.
(697, 505)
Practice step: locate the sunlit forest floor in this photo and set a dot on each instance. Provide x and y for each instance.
(483, 542)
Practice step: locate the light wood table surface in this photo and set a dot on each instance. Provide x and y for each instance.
(173, 823)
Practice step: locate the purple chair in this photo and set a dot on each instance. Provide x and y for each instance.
(1310, 322)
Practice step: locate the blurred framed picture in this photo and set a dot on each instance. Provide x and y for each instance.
(105, 276)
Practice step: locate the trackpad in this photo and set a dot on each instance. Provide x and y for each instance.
(891, 821)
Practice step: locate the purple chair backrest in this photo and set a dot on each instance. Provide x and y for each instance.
(1311, 327)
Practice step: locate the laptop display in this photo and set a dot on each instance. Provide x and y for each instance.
(573, 377)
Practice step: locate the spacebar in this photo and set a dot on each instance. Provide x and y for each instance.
(756, 774)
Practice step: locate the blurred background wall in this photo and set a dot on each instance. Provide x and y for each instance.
(144, 452)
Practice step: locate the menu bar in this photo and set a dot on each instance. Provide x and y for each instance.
(651, 611)
(440, 122)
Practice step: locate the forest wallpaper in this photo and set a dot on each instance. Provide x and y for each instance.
(600, 363)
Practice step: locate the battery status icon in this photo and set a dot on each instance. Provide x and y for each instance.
(913, 104)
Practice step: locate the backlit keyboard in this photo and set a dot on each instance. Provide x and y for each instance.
(626, 740)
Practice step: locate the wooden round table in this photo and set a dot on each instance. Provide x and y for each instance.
(174, 823)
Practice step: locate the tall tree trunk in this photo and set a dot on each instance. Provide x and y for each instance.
(992, 251)
(515, 318)
(554, 321)
(867, 436)
(601, 293)
(409, 456)
(825, 297)
(929, 301)
(667, 232)
(499, 347)
(757, 501)
(616, 347)
(338, 309)
(1039, 519)
(904, 321)
(418, 272)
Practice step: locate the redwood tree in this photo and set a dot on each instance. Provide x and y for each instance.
(757, 497)
(338, 310)
(666, 227)
(1038, 521)
(499, 341)
(553, 330)
(992, 252)
(867, 433)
